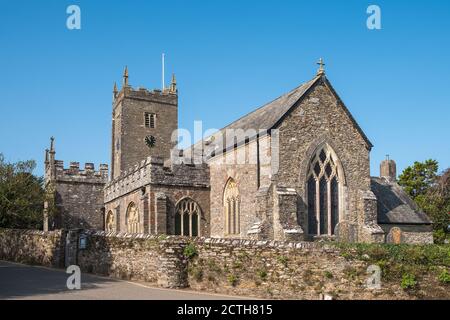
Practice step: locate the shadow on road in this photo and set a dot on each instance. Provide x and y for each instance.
(18, 281)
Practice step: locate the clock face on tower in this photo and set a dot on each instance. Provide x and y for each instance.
(150, 141)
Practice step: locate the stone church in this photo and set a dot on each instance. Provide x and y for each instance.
(295, 169)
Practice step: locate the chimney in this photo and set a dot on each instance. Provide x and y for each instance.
(388, 169)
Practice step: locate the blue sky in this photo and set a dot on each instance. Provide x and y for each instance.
(229, 57)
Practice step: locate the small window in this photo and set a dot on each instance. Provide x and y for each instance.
(150, 120)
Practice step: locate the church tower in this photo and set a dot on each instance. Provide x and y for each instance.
(143, 122)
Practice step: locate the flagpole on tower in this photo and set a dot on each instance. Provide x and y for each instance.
(163, 62)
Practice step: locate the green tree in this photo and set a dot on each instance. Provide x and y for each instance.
(436, 203)
(431, 192)
(419, 178)
(21, 195)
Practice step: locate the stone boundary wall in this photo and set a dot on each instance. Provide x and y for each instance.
(33, 247)
(264, 269)
(165, 261)
(158, 260)
(275, 270)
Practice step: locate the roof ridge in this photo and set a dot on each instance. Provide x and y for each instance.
(302, 88)
(272, 101)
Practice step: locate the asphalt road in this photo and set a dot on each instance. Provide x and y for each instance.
(19, 281)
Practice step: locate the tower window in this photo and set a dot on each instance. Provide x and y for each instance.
(150, 120)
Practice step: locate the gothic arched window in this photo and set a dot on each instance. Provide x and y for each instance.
(110, 224)
(323, 192)
(132, 219)
(231, 202)
(187, 218)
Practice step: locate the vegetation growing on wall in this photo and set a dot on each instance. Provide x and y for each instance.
(411, 266)
(336, 269)
(190, 251)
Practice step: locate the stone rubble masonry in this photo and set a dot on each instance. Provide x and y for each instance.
(388, 169)
(265, 269)
(153, 171)
(369, 230)
(271, 172)
(158, 260)
(129, 130)
(78, 194)
(274, 197)
(411, 234)
(149, 258)
(240, 165)
(281, 270)
(45, 248)
(156, 186)
(321, 118)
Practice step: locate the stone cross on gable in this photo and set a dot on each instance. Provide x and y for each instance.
(321, 68)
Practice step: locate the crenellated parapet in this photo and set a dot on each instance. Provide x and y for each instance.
(145, 94)
(55, 171)
(154, 170)
(167, 96)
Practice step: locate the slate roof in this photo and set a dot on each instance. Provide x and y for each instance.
(394, 204)
(269, 115)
